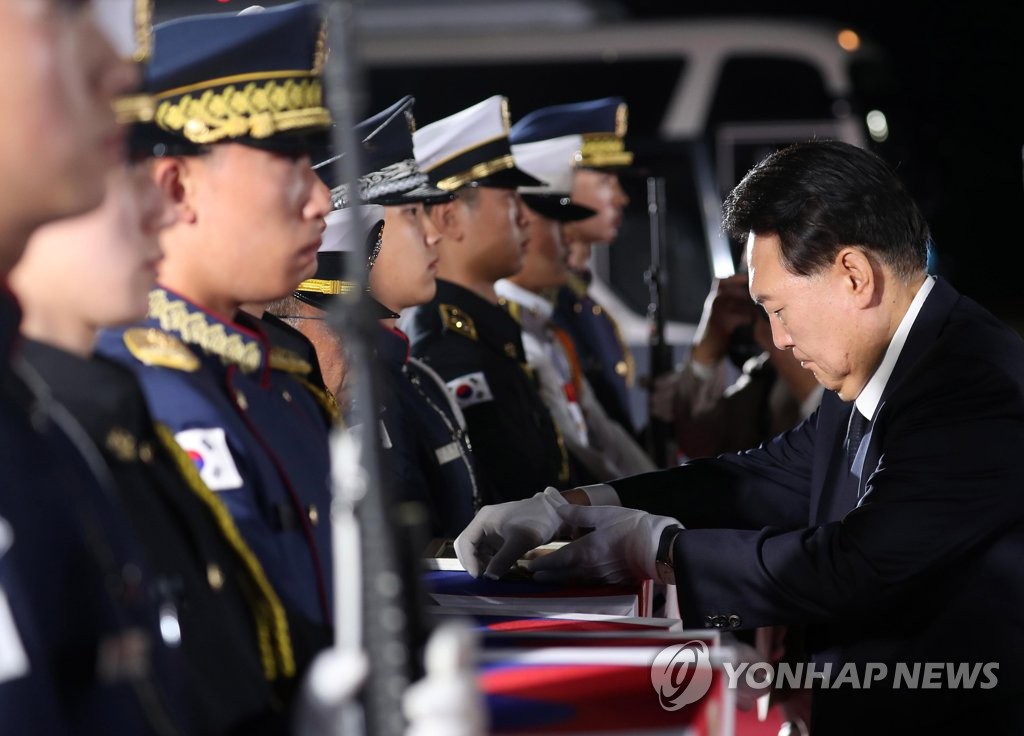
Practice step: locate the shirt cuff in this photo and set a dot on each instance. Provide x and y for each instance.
(602, 494)
(703, 371)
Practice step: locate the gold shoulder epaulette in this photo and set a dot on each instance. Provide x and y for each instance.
(577, 285)
(151, 346)
(458, 321)
(514, 309)
(282, 359)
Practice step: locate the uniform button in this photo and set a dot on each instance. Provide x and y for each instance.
(146, 452)
(214, 576)
(735, 621)
(621, 368)
(578, 308)
(510, 349)
(287, 396)
(711, 622)
(596, 309)
(243, 403)
(314, 515)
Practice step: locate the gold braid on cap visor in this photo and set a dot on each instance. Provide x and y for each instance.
(603, 150)
(245, 105)
(480, 171)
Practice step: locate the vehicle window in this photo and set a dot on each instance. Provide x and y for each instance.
(769, 88)
(687, 269)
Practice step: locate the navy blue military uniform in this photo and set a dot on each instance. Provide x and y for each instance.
(234, 400)
(603, 355)
(79, 592)
(254, 431)
(428, 454)
(477, 348)
(430, 451)
(234, 631)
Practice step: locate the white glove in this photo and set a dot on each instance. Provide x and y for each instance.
(622, 546)
(663, 396)
(502, 533)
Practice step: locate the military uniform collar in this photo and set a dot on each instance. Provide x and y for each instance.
(10, 320)
(246, 348)
(481, 320)
(392, 346)
(103, 395)
(535, 303)
(579, 281)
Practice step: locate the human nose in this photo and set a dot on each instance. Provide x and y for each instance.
(780, 335)
(519, 213)
(431, 235)
(319, 204)
(621, 198)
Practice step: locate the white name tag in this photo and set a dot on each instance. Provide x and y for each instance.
(13, 660)
(447, 453)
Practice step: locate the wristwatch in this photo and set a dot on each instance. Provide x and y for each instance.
(663, 560)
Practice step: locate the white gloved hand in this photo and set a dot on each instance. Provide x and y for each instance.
(663, 396)
(502, 533)
(622, 546)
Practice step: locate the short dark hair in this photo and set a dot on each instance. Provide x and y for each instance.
(821, 195)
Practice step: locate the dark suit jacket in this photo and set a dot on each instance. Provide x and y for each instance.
(926, 566)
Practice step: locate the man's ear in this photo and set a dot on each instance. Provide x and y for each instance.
(174, 178)
(859, 274)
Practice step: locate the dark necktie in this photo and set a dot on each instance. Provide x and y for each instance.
(855, 433)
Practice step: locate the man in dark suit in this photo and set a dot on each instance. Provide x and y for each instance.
(890, 522)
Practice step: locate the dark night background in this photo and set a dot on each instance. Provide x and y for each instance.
(956, 120)
(958, 130)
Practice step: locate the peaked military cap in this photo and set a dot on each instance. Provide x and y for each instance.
(128, 25)
(470, 147)
(338, 256)
(553, 161)
(602, 123)
(390, 175)
(251, 78)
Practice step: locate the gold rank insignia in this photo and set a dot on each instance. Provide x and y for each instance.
(121, 444)
(458, 321)
(153, 347)
(285, 360)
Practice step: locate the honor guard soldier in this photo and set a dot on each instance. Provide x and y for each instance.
(600, 447)
(463, 334)
(81, 650)
(239, 107)
(427, 447)
(215, 600)
(606, 359)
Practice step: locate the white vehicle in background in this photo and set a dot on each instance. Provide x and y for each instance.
(707, 99)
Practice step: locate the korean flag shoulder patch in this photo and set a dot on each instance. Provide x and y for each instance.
(470, 389)
(208, 449)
